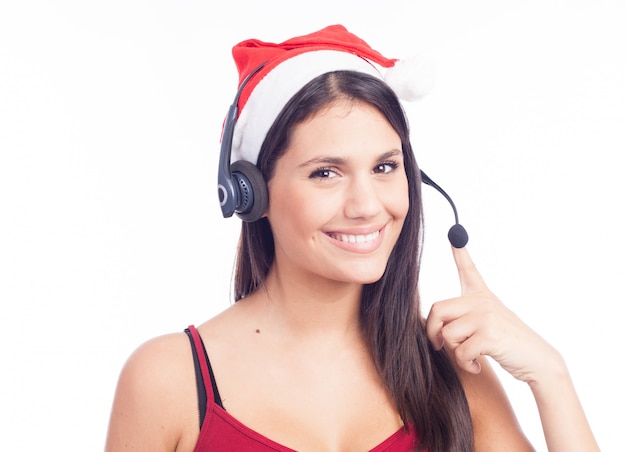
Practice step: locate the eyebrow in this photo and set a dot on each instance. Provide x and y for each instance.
(342, 161)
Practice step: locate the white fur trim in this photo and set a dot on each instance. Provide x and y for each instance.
(278, 86)
(411, 78)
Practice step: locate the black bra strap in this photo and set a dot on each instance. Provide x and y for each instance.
(202, 396)
(199, 380)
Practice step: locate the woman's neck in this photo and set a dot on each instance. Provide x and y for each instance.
(307, 308)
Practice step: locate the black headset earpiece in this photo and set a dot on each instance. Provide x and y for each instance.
(241, 188)
(457, 235)
(251, 190)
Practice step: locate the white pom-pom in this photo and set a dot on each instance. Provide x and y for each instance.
(411, 78)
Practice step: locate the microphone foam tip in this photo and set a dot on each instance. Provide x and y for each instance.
(458, 236)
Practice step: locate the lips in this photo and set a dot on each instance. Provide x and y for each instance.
(356, 238)
(364, 243)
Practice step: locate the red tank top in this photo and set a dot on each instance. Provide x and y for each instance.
(222, 432)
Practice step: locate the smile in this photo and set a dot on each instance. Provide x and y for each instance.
(354, 238)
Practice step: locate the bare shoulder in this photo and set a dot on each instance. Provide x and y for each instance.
(158, 361)
(495, 424)
(155, 404)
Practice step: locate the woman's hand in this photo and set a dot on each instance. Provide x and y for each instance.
(477, 323)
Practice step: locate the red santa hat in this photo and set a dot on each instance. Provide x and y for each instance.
(290, 65)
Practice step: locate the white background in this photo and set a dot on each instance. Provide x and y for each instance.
(110, 115)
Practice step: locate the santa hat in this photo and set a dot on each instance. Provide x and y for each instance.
(290, 65)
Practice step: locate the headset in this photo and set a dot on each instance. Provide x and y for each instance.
(242, 190)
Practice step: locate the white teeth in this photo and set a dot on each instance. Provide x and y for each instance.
(349, 238)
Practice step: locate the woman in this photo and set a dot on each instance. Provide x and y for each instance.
(326, 348)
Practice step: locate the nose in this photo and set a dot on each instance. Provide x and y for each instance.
(362, 198)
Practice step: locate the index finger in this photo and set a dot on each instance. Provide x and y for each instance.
(471, 280)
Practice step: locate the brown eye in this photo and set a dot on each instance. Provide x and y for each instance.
(323, 173)
(385, 167)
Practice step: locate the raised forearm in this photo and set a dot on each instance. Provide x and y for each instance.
(563, 419)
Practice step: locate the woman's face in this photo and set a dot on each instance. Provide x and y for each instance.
(339, 195)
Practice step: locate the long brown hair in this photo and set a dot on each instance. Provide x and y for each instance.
(421, 381)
